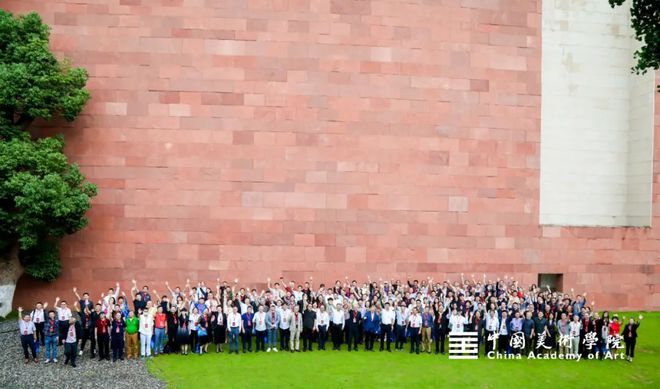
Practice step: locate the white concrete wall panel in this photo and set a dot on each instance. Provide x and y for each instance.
(596, 118)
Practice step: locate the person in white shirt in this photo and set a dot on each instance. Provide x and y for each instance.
(72, 335)
(146, 330)
(38, 317)
(574, 331)
(298, 293)
(492, 328)
(503, 334)
(112, 293)
(285, 332)
(322, 321)
(260, 328)
(27, 330)
(414, 327)
(457, 322)
(387, 317)
(401, 318)
(337, 322)
(235, 326)
(63, 315)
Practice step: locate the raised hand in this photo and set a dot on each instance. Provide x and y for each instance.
(75, 289)
(20, 309)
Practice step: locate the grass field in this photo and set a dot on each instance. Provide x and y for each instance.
(332, 369)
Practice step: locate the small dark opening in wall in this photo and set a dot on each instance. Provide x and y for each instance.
(554, 281)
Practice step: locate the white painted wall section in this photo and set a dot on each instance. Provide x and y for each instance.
(596, 118)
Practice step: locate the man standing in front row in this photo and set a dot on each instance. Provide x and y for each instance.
(27, 330)
(309, 326)
(295, 328)
(387, 318)
(73, 334)
(272, 323)
(353, 324)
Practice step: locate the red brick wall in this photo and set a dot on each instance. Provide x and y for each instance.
(254, 138)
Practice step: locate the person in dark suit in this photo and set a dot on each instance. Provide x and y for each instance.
(588, 326)
(630, 336)
(441, 326)
(371, 328)
(353, 324)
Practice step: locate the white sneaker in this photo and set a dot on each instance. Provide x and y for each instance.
(80, 353)
(54, 360)
(275, 349)
(268, 350)
(47, 360)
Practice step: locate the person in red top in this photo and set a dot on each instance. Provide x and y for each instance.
(103, 337)
(615, 326)
(160, 324)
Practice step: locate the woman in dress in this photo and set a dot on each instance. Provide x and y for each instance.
(218, 328)
(183, 333)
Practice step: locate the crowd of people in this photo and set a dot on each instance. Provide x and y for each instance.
(376, 314)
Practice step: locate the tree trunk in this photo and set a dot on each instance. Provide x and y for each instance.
(10, 271)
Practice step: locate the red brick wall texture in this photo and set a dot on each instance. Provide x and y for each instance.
(255, 138)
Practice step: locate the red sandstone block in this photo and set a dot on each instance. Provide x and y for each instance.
(243, 138)
(356, 254)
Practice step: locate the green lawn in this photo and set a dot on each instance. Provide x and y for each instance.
(332, 369)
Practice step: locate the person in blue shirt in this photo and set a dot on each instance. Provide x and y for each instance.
(371, 328)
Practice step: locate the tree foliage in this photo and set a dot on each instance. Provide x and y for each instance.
(42, 196)
(645, 20)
